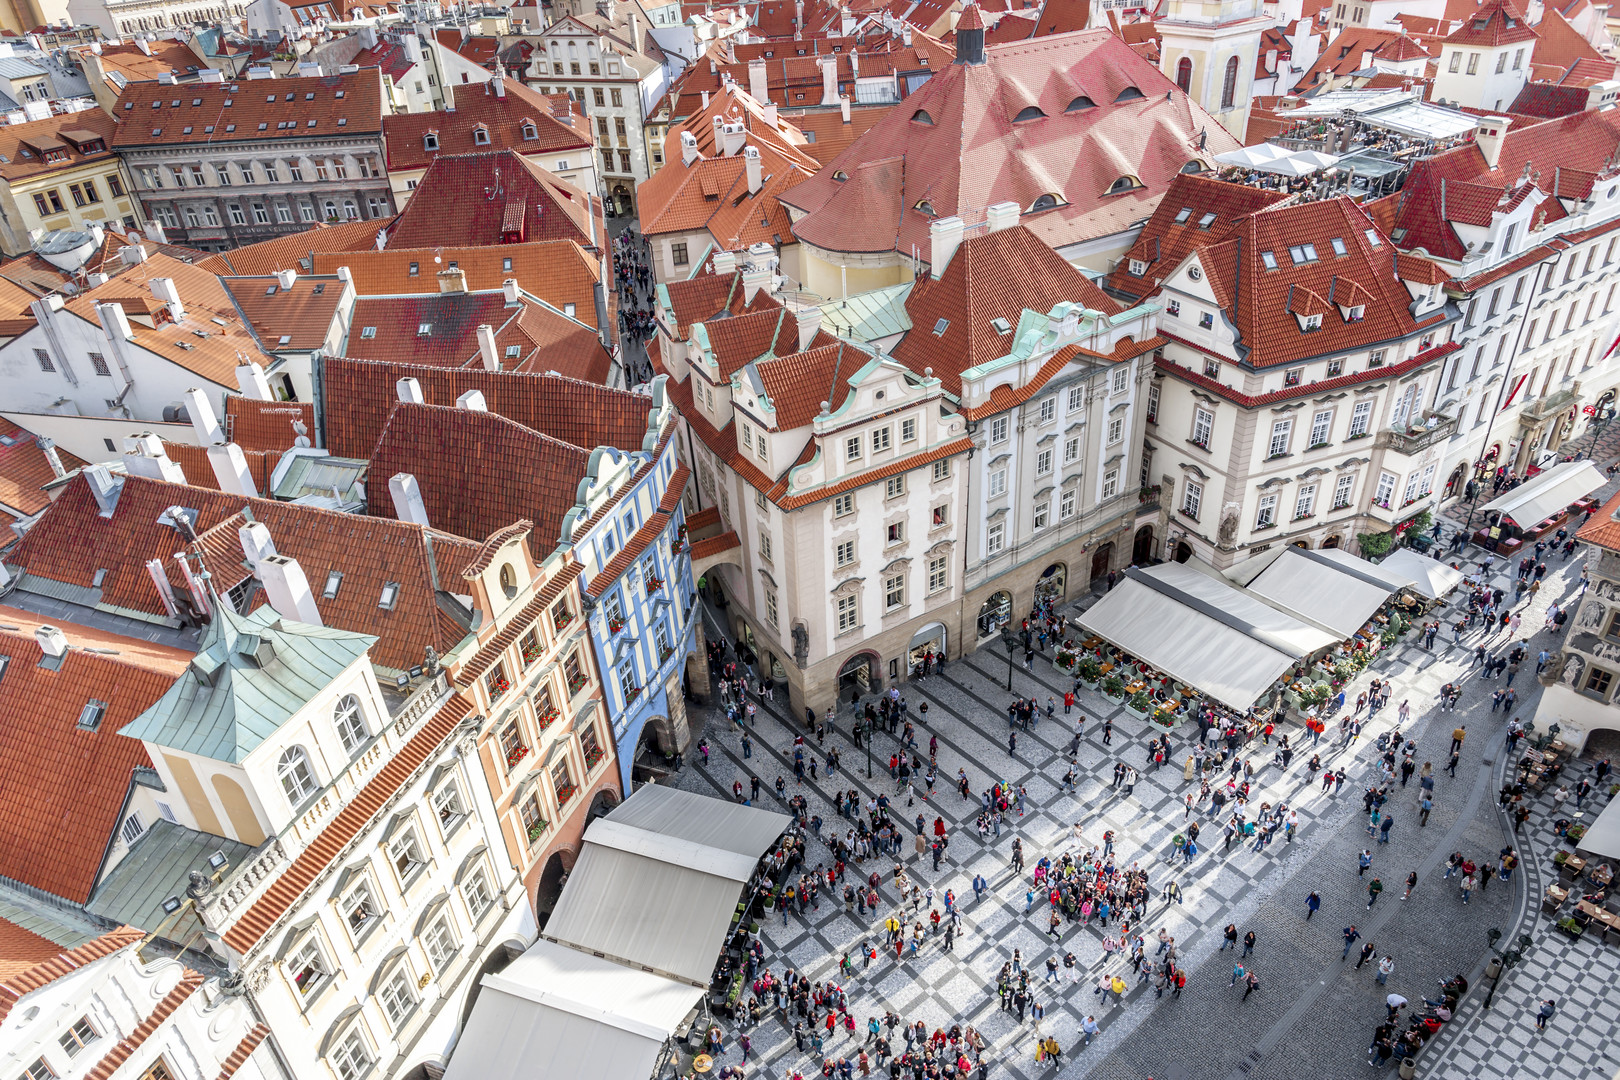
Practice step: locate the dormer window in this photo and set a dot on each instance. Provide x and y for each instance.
(1130, 93)
(840, 176)
(481, 135)
(430, 141)
(1193, 166)
(530, 132)
(1045, 202)
(1355, 313)
(925, 207)
(1138, 267)
(1123, 184)
(1080, 104)
(1032, 112)
(921, 117)
(1307, 323)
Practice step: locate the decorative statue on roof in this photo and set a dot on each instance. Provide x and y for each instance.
(430, 661)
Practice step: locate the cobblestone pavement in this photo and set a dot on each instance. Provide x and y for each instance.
(1313, 1015)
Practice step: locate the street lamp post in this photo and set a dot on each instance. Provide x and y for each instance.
(1509, 959)
(1472, 491)
(1009, 640)
(868, 738)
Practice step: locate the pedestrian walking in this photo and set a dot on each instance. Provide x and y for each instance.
(1411, 883)
(1545, 1013)
(1351, 935)
(1373, 889)
(1312, 903)
(1386, 967)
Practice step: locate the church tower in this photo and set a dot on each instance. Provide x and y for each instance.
(1209, 48)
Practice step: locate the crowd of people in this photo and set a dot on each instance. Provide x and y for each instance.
(633, 277)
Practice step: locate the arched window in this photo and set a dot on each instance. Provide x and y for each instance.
(921, 117)
(297, 778)
(1193, 166)
(1045, 202)
(1123, 184)
(1130, 93)
(1081, 104)
(925, 207)
(1033, 112)
(1184, 74)
(351, 724)
(1229, 88)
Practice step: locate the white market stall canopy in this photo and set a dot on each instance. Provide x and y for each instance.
(1548, 492)
(1202, 631)
(1430, 577)
(1271, 158)
(559, 1012)
(1322, 590)
(1603, 838)
(1354, 564)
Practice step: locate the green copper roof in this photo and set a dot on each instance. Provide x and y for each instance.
(250, 675)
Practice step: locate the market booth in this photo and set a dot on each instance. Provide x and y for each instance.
(1429, 578)
(1331, 589)
(1524, 514)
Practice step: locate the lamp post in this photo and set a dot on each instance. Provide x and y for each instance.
(1509, 959)
(1008, 639)
(1472, 492)
(867, 738)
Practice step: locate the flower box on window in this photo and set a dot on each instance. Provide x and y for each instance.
(654, 584)
(547, 716)
(592, 756)
(516, 754)
(559, 621)
(497, 684)
(576, 682)
(631, 695)
(615, 624)
(664, 653)
(532, 651)
(538, 829)
(680, 530)
(676, 547)
(566, 792)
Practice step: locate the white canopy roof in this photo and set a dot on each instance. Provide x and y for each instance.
(1430, 577)
(1603, 837)
(1546, 493)
(1202, 631)
(1322, 590)
(1381, 572)
(559, 1012)
(1269, 157)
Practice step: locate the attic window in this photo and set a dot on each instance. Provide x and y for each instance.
(1032, 112)
(90, 716)
(430, 141)
(1269, 258)
(481, 135)
(157, 131)
(264, 126)
(343, 121)
(5, 662)
(368, 332)
(1122, 185)
(924, 206)
(921, 117)
(230, 127)
(1193, 166)
(1355, 313)
(270, 98)
(293, 93)
(1311, 322)
(513, 351)
(939, 327)
(1045, 202)
(1183, 215)
(530, 133)
(1138, 267)
(840, 176)
(1130, 93)
(389, 597)
(339, 93)
(284, 339)
(333, 580)
(1080, 104)
(413, 270)
(424, 329)
(1302, 253)
(1338, 246)
(196, 101)
(1206, 221)
(270, 291)
(312, 123)
(1372, 238)
(309, 96)
(1002, 326)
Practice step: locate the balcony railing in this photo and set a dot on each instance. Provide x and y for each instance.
(1545, 407)
(1419, 439)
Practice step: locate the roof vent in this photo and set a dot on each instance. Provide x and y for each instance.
(52, 642)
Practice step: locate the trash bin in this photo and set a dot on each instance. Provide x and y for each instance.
(1493, 970)
(1408, 1068)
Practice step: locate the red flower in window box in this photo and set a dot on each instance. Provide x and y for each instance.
(615, 624)
(532, 652)
(654, 584)
(592, 756)
(560, 621)
(538, 829)
(516, 754)
(575, 682)
(635, 692)
(681, 531)
(547, 716)
(499, 685)
(565, 793)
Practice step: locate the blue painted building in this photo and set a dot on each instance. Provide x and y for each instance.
(628, 529)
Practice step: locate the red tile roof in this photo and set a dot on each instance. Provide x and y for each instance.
(1346, 52)
(61, 811)
(1494, 24)
(464, 199)
(1603, 530)
(199, 471)
(1561, 45)
(266, 911)
(65, 141)
(267, 425)
(502, 118)
(244, 1050)
(559, 272)
(528, 336)
(478, 472)
(14, 986)
(1165, 242)
(991, 276)
(1215, 386)
(295, 252)
(121, 1051)
(21, 949)
(208, 114)
(964, 152)
(799, 383)
(300, 318)
(24, 469)
(361, 394)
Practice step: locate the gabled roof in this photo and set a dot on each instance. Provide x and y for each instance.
(61, 811)
(1561, 45)
(299, 318)
(267, 425)
(1346, 52)
(1102, 114)
(252, 673)
(14, 986)
(265, 110)
(360, 396)
(1195, 211)
(559, 272)
(25, 470)
(64, 141)
(467, 200)
(294, 252)
(503, 118)
(478, 472)
(1549, 101)
(992, 276)
(708, 297)
(798, 384)
(1494, 24)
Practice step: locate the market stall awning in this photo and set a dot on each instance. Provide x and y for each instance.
(1382, 572)
(1193, 627)
(1546, 493)
(556, 1011)
(1603, 836)
(1319, 590)
(1430, 577)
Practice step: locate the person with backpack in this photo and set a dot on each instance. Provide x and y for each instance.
(1545, 1013)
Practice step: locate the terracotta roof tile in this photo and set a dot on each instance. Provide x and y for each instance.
(714, 545)
(114, 1058)
(65, 141)
(462, 200)
(1493, 24)
(266, 425)
(1388, 372)
(244, 1050)
(495, 647)
(24, 469)
(559, 272)
(211, 114)
(300, 318)
(21, 949)
(293, 252)
(15, 986)
(1165, 241)
(199, 472)
(798, 384)
(503, 120)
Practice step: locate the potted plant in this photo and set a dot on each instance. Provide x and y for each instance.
(1090, 670)
(546, 716)
(1569, 926)
(1140, 704)
(1114, 687)
(1575, 833)
(615, 624)
(1560, 858)
(1065, 660)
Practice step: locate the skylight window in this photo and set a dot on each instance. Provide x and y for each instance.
(424, 329)
(1302, 253)
(1206, 221)
(1032, 112)
(1269, 258)
(270, 291)
(1372, 238)
(333, 580)
(90, 716)
(369, 332)
(1183, 215)
(1338, 246)
(5, 662)
(284, 339)
(389, 597)
(939, 327)
(513, 351)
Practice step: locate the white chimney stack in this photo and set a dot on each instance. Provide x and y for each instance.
(725, 263)
(407, 495)
(144, 456)
(843, 109)
(689, 148)
(203, 420)
(1488, 136)
(154, 229)
(809, 323)
(1003, 215)
(257, 545)
(52, 642)
(770, 113)
(472, 401)
(945, 236)
(47, 446)
(287, 589)
(285, 278)
(509, 290)
(115, 322)
(487, 348)
(409, 391)
(829, 79)
(165, 290)
(757, 85)
(754, 168)
(231, 470)
(250, 377)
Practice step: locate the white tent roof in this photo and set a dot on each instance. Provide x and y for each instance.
(1193, 626)
(1381, 572)
(1430, 577)
(1546, 493)
(559, 1012)
(716, 823)
(1603, 837)
(1321, 590)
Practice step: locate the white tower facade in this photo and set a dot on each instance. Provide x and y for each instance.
(1210, 48)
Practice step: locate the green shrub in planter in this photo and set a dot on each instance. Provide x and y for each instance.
(1089, 669)
(1114, 686)
(1576, 832)
(1140, 702)
(1570, 926)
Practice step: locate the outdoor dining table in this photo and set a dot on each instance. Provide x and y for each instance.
(1609, 920)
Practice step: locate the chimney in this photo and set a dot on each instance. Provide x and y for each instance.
(945, 236)
(142, 44)
(115, 322)
(203, 421)
(104, 486)
(486, 347)
(285, 278)
(509, 290)
(758, 86)
(154, 229)
(689, 149)
(453, 280)
(164, 289)
(256, 542)
(809, 322)
(409, 391)
(132, 255)
(843, 109)
(250, 379)
(735, 135)
(47, 446)
(751, 162)
(705, 96)
(1271, 61)
(498, 84)
(472, 401)
(144, 456)
(770, 114)
(1488, 136)
(905, 35)
(52, 642)
(287, 589)
(829, 79)
(725, 263)
(408, 504)
(798, 20)
(231, 470)
(1002, 215)
(1366, 59)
